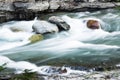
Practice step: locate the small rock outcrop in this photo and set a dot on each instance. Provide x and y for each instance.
(43, 27)
(62, 25)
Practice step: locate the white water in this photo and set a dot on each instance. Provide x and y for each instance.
(10, 39)
(78, 37)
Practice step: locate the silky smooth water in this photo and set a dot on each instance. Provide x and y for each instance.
(76, 47)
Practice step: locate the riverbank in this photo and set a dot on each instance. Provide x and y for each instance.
(29, 9)
(107, 75)
(63, 73)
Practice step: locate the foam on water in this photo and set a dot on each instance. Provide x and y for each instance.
(10, 45)
(23, 65)
(7, 35)
(14, 39)
(77, 34)
(22, 25)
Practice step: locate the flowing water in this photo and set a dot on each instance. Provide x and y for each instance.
(79, 46)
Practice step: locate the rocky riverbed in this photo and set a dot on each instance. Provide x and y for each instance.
(107, 75)
(65, 74)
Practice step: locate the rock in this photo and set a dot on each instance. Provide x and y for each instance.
(6, 5)
(63, 71)
(54, 5)
(42, 27)
(2, 18)
(19, 9)
(20, 5)
(36, 37)
(15, 29)
(39, 6)
(62, 25)
(55, 19)
(66, 6)
(93, 24)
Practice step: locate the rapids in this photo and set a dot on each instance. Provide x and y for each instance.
(79, 46)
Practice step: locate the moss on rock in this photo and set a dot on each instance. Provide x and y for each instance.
(36, 37)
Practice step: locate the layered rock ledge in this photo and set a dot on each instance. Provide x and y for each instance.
(28, 9)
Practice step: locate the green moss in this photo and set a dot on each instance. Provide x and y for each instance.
(26, 75)
(2, 67)
(36, 37)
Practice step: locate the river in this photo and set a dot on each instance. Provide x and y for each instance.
(79, 46)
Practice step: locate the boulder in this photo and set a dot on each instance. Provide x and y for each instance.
(42, 27)
(36, 37)
(62, 25)
(93, 24)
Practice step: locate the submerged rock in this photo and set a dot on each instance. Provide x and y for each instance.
(15, 29)
(35, 38)
(62, 25)
(93, 24)
(43, 27)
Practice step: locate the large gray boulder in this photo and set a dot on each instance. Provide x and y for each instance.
(43, 27)
(62, 25)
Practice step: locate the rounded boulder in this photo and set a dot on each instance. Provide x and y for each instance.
(61, 24)
(93, 24)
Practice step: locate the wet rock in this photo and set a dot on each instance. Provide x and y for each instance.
(43, 27)
(15, 29)
(100, 68)
(62, 70)
(36, 37)
(93, 24)
(62, 25)
(2, 18)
